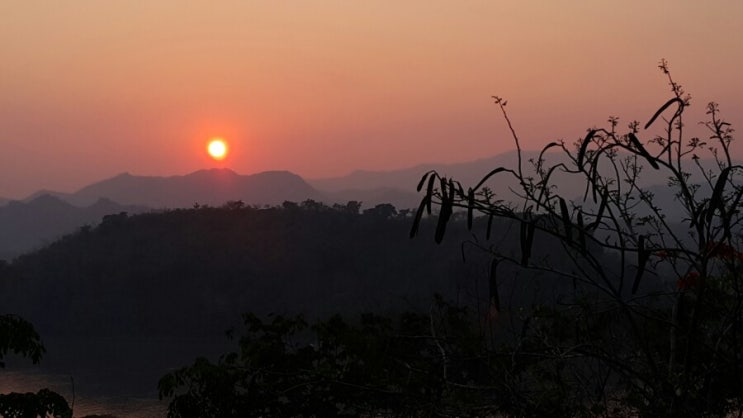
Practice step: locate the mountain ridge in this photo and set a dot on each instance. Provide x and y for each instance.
(28, 225)
(219, 185)
(204, 187)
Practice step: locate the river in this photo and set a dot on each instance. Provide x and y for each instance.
(116, 376)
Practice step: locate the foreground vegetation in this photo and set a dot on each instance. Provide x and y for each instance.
(639, 317)
(658, 331)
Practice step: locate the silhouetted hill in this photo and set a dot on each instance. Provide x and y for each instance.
(44, 192)
(205, 187)
(28, 225)
(189, 271)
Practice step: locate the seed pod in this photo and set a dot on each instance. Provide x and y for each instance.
(662, 108)
(584, 147)
(566, 221)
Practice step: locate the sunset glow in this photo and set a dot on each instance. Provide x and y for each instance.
(387, 85)
(217, 148)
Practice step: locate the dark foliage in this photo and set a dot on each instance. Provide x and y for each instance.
(652, 321)
(18, 336)
(192, 272)
(43, 404)
(410, 365)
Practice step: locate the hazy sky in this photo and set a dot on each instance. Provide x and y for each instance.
(90, 89)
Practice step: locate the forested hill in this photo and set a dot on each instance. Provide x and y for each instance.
(194, 271)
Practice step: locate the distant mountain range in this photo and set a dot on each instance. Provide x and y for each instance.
(29, 225)
(45, 215)
(217, 186)
(406, 179)
(204, 187)
(402, 183)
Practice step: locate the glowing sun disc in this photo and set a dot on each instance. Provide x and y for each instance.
(217, 148)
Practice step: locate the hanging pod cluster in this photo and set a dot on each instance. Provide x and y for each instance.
(451, 194)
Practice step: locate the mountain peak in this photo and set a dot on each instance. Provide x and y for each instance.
(213, 172)
(47, 199)
(213, 186)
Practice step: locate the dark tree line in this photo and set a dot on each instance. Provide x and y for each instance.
(194, 271)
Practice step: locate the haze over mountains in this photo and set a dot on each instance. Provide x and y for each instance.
(29, 225)
(203, 187)
(46, 215)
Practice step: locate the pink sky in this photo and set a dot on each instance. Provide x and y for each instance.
(90, 89)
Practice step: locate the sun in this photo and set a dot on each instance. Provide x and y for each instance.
(217, 148)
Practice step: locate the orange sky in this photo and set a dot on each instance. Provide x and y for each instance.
(90, 89)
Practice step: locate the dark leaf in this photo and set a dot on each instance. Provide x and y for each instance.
(419, 214)
(445, 212)
(429, 192)
(547, 147)
(584, 147)
(566, 220)
(602, 208)
(545, 182)
(460, 190)
(490, 174)
(594, 178)
(716, 201)
(663, 108)
(422, 181)
(641, 149)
